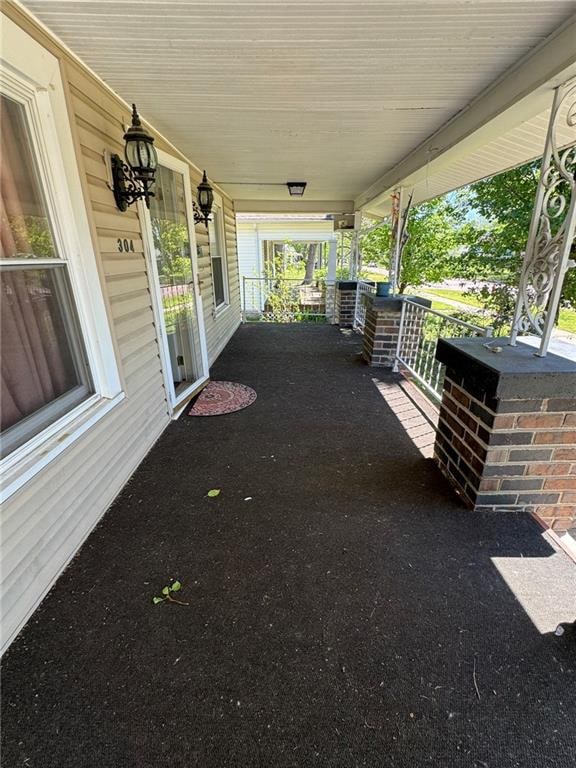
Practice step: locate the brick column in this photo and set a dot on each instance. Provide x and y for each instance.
(382, 326)
(330, 299)
(507, 429)
(345, 303)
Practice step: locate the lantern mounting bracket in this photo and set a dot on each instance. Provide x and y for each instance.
(126, 187)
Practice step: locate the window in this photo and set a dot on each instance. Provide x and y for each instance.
(58, 368)
(43, 369)
(218, 256)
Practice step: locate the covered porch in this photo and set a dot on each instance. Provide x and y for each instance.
(344, 608)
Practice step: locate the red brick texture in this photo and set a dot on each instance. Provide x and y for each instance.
(380, 339)
(345, 305)
(509, 454)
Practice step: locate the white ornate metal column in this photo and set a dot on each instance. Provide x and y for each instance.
(395, 244)
(400, 213)
(552, 228)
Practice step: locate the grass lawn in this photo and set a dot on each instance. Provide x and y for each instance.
(566, 321)
(456, 295)
(441, 307)
(374, 276)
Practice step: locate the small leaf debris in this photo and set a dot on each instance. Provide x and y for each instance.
(213, 493)
(168, 594)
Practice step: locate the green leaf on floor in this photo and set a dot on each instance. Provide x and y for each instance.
(175, 586)
(157, 600)
(214, 492)
(165, 590)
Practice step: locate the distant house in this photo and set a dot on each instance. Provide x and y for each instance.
(260, 237)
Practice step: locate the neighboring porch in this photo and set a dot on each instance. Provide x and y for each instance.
(345, 609)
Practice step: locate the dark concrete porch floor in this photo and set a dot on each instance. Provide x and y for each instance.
(350, 613)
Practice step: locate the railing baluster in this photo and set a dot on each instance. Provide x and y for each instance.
(296, 302)
(420, 329)
(359, 321)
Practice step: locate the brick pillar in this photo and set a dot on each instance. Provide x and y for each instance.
(507, 429)
(382, 326)
(345, 302)
(330, 302)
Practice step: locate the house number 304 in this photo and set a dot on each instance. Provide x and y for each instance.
(125, 245)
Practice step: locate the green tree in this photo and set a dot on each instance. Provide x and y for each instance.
(282, 295)
(431, 251)
(32, 236)
(173, 247)
(494, 242)
(376, 246)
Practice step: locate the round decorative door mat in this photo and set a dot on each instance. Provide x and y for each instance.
(220, 397)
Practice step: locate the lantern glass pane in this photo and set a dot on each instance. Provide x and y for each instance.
(141, 155)
(153, 162)
(131, 153)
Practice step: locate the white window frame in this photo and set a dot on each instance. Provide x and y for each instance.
(30, 75)
(218, 221)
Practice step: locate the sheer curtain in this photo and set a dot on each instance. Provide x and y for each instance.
(34, 367)
(36, 342)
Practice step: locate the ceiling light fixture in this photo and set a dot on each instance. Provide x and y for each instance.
(296, 188)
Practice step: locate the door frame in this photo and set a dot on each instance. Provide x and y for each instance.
(175, 401)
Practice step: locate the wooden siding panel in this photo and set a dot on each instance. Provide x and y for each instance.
(219, 327)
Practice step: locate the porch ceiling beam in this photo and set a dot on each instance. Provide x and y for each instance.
(523, 92)
(294, 206)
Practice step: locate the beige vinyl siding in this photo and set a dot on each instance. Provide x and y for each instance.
(46, 520)
(219, 328)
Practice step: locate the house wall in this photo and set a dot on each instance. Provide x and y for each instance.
(46, 520)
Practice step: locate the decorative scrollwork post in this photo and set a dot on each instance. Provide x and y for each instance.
(552, 228)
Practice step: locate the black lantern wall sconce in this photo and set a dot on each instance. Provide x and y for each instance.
(133, 177)
(203, 208)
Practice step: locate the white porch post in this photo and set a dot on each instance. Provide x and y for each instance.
(552, 228)
(331, 281)
(332, 259)
(355, 255)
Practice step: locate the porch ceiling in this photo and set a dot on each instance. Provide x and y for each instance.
(330, 92)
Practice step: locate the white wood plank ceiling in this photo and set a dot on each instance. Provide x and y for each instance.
(328, 91)
(511, 148)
